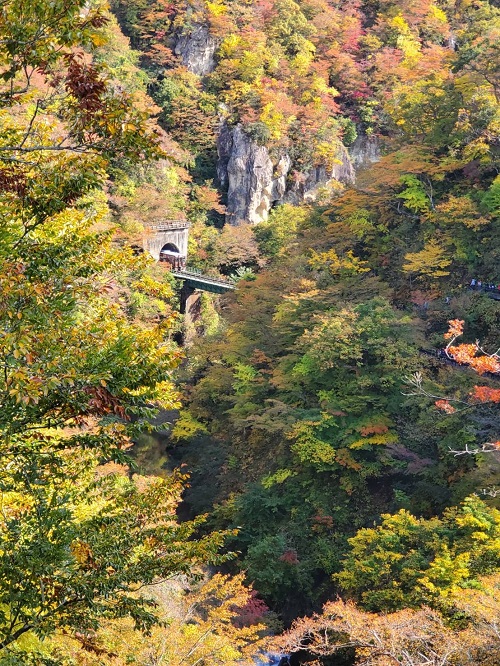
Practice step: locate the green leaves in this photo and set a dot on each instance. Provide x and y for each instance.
(77, 542)
(407, 562)
(79, 377)
(414, 195)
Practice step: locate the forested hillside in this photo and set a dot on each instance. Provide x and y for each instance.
(335, 417)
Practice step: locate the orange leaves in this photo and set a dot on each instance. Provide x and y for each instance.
(374, 429)
(289, 556)
(463, 353)
(103, 402)
(322, 521)
(84, 82)
(466, 354)
(82, 553)
(485, 394)
(456, 329)
(346, 459)
(445, 406)
(473, 356)
(485, 364)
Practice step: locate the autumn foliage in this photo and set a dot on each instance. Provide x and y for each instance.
(405, 638)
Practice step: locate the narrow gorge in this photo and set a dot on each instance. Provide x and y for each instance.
(250, 316)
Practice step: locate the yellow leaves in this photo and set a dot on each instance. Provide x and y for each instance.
(326, 152)
(311, 450)
(165, 395)
(186, 427)
(478, 149)
(320, 86)
(302, 61)
(406, 41)
(274, 120)
(347, 264)
(438, 14)
(411, 50)
(431, 261)
(377, 440)
(205, 625)
(400, 25)
(99, 39)
(216, 8)
(280, 476)
(82, 552)
(286, 309)
(152, 287)
(230, 46)
(445, 573)
(14, 504)
(461, 210)
(333, 337)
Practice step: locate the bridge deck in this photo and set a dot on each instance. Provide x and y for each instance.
(198, 280)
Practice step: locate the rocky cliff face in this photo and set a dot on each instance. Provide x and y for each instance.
(196, 49)
(254, 181)
(306, 187)
(364, 151)
(245, 169)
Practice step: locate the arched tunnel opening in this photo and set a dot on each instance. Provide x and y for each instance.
(170, 253)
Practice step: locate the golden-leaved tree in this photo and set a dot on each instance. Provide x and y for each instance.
(79, 379)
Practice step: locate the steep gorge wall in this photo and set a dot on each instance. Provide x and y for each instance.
(254, 181)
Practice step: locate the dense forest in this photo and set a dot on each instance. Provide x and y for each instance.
(306, 468)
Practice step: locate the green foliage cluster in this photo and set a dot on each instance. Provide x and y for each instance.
(299, 425)
(409, 562)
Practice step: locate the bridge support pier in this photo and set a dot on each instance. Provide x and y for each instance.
(190, 307)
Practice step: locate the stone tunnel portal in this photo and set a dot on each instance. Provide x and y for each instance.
(169, 239)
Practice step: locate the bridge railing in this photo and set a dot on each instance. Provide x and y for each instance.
(171, 224)
(196, 273)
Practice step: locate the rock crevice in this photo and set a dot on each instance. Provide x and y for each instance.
(252, 180)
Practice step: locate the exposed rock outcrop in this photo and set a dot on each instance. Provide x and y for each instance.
(196, 49)
(306, 186)
(254, 181)
(364, 151)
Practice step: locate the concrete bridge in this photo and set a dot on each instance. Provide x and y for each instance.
(195, 279)
(168, 242)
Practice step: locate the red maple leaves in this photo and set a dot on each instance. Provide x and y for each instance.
(476, 358)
